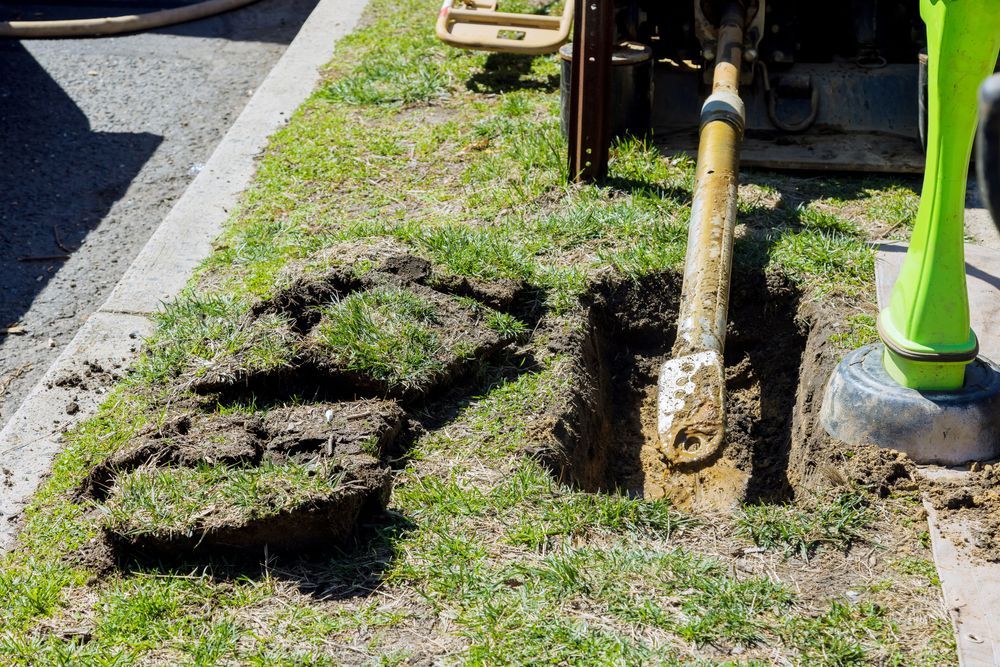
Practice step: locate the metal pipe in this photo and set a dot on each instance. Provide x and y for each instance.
(691, 418)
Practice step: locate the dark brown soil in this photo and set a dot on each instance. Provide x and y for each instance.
(778, 359)
(608, 436)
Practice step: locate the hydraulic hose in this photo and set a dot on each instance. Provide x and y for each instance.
(116, 25)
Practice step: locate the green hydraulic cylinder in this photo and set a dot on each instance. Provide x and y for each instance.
(925, 328)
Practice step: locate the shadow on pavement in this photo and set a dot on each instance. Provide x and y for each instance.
(48, 204)
(60, 178)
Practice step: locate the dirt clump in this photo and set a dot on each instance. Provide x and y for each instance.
(90, 375)
(287, 478)
(332, 324)
(502, 294)
(970, 496)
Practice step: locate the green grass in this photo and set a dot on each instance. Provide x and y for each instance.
(919, 567)
(384, 333)
(505, 324)
(846, 634)
(484, 558)
(826, 261)
(835, 522)
(200, 332)
(862, 330)
(177, 501)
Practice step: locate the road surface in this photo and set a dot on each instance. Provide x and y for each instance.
(98, 139)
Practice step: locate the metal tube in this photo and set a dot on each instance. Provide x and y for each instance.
(692, 384)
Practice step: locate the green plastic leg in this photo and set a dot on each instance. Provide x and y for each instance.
(927, 319)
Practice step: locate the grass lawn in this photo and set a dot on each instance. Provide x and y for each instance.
(482, 557)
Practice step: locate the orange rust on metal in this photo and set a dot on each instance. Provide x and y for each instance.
(590, 90)
(697, 426)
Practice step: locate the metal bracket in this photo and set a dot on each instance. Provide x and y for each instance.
(590, 90)
(476, 24)
(707, 32)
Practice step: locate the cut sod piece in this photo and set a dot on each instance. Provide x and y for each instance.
(213, 341)
(307, 474)
(404, 341)
(284, 506)
(298, 432)
(351, 333)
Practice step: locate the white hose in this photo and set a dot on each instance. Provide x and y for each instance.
(114, 25)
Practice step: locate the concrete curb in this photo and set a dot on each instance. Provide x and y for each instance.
(112, 336)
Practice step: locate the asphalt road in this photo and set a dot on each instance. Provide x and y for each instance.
(98, 139)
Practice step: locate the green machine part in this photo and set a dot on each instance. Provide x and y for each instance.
(925, 327)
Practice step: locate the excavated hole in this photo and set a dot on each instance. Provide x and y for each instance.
(609, 437)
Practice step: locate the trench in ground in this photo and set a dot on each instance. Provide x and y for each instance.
(629, 332)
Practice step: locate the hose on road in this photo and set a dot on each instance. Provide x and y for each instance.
(115, 25)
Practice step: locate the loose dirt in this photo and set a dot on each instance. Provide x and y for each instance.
(971, 495)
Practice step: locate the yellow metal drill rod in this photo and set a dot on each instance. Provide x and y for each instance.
(692, 384)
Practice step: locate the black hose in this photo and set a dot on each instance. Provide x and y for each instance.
(988, 146)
